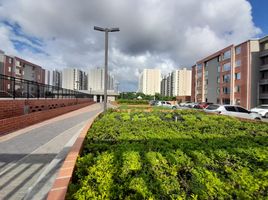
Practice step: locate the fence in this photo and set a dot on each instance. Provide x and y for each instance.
(11, 87)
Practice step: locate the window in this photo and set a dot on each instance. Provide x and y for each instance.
(199, 75)
(219, 58)
(238, 50)
(226, 90)
(237, 76)
(8, 86)
(218, 79)
(226, 67)
(237, 88)
(226, 78)
(9, 69)
(242, 110)
(9, 60)
(199, 66)
(226, 55)
(238, 63)
(218, 90)
(219, 68)
(230, 108)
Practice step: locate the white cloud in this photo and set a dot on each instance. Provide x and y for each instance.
(154, 34)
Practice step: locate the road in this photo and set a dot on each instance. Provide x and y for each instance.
(30, 158)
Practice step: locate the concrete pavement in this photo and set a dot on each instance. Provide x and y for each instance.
(31, 157)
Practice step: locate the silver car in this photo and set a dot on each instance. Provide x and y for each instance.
(232, 110)
(262, 110)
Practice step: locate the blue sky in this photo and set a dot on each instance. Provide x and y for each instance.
(260, 14)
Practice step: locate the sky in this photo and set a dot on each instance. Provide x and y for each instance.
(166, 35)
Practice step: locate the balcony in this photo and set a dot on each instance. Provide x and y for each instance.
(264, 53)
(263, 81)
(263, 67)
(263, 95)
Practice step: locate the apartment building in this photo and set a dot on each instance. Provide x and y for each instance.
(177, 83)
(96, 80)
(263, 81)
(74, 79)
(181, 82)
(53, 77)
(150, 81)
(166, 85)
(229, 76)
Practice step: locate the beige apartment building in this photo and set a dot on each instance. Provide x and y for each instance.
(237, 74)
(177, 83)
(149, 81)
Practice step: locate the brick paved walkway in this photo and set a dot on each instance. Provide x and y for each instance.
(30, 158)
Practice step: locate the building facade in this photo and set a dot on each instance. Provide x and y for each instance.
(96, 80)
(181, 82)
(150, 81)
(74, 79)
(53, 77)
(263, 82)
(229, 76)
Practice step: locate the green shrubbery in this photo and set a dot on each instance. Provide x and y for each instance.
(153, 156)
(133, 102)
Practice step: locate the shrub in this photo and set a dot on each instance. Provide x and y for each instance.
(141, 155)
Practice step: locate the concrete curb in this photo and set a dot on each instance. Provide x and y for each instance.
(60, 186)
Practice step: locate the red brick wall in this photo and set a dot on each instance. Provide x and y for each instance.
(12, 108)
(14, 123)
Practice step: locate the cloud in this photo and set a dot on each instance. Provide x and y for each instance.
(154, 33)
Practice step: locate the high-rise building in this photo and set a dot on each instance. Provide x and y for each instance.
(181, 82)
(96, 80)
(150, 81)
(73, 79)
(166, 85)
(237, 74)
(53, 77)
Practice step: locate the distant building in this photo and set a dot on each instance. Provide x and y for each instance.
(150, 81)
(73, 79)
(237, 74)
(53, 77)
(166, 85)
(96, 80)
(181, 82)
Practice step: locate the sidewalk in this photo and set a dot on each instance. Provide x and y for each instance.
(31, 157)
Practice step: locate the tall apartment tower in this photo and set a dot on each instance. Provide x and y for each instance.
(230, 76)
(181, 82)
(166, 85)
(96, 80)
(150, 81)
(73, 79)
(53, 77)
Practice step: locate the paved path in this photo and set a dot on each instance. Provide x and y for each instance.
(31, 157)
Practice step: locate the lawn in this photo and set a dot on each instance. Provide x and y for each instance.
(172, 155)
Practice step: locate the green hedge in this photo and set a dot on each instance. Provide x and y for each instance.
(133, 102)
(178, 155)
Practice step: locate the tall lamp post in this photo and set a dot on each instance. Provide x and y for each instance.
(106, 30)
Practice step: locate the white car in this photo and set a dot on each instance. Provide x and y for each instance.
(232, 110)
(166, 104)
(262, 110)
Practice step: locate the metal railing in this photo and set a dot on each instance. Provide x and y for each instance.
(11, 87)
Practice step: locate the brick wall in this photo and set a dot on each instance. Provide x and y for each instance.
(14, 123)
(12, 108)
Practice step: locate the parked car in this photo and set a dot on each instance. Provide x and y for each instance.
(231, 110)
(153, 102)
(262, 110)
(202, 105)
(183, 104)
(166, 104)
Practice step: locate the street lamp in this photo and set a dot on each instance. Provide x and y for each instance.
(106, 30)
